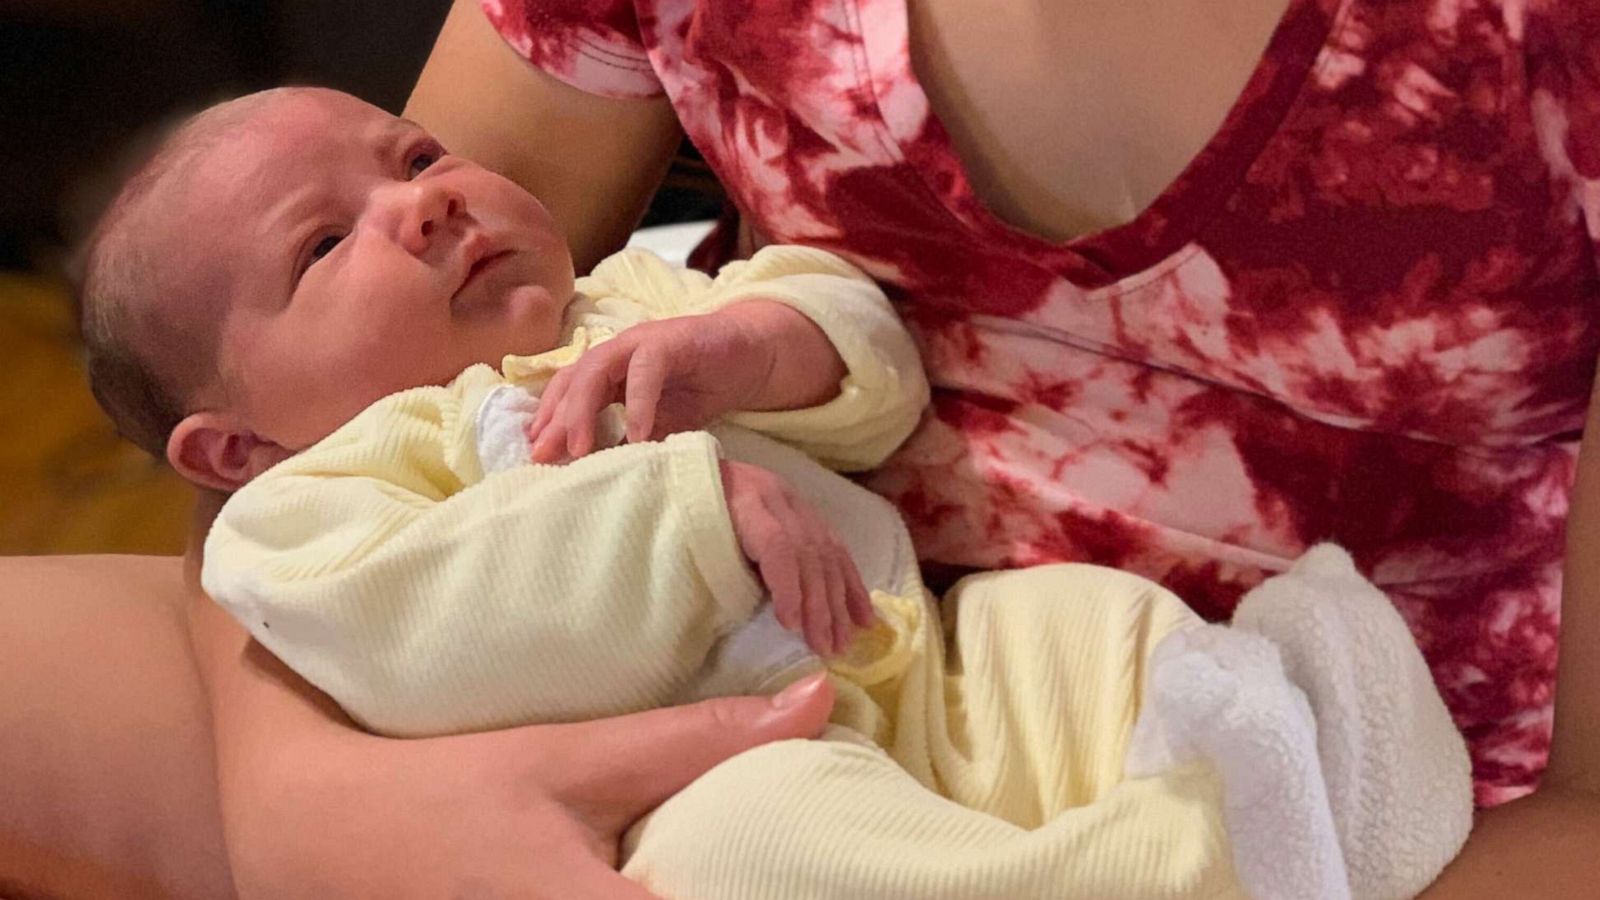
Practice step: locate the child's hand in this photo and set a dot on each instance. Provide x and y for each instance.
(671, 375)
(807, 569)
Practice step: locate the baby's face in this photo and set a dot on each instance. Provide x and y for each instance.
(358, 259)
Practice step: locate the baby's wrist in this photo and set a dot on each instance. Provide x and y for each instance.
(791, 364)
(760, 326)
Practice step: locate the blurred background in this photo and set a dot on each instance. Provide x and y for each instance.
(84, 84)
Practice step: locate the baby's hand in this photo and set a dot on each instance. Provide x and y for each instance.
(671, 375)
(807, 569)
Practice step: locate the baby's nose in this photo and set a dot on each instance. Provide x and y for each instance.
(430, 206)
(451, 207)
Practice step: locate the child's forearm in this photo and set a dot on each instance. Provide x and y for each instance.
(801, 368)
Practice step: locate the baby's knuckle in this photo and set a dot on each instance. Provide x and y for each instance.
(779, 542)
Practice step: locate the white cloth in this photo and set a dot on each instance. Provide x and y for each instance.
(1348, 779)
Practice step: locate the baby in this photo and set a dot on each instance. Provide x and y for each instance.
(469, 491)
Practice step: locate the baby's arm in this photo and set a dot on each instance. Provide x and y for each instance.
(424, 604)
(682, 373)
(833, 372)
(884, 391)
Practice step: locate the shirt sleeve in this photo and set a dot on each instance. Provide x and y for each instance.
(426, 603)
(1562, 42)
(593, 45)
(885, 389)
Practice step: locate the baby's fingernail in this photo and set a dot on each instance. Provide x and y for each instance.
(799, 692)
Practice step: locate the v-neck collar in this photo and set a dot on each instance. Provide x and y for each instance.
(1177, 214)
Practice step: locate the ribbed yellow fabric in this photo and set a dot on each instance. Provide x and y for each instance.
(427, 597)
(385, 568)
(1022, 732)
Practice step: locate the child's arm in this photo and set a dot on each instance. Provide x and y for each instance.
(795, 343)
(685, 372)
(424, 603)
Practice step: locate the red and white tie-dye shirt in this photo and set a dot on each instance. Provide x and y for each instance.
(1365, 313)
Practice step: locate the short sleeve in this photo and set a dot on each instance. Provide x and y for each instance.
(593, 45)
(1563, 47)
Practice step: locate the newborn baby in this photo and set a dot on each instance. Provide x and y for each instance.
(468, 491)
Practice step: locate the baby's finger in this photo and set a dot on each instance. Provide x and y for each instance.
(546, 442)
(647, 375)
(857, 597)
(781, 572)
(580, 433)
(814, 593)
(590, 392)
(550, 399)
(838, 607)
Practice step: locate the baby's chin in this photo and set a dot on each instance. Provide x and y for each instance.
(527, 322)
(520, 307)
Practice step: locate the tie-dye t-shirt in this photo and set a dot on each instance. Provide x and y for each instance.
(1365, 313)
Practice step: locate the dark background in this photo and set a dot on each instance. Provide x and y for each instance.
(82, 81)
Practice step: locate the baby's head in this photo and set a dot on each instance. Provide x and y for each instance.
(288, 258)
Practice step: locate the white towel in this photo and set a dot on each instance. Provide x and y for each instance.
(1343, 775)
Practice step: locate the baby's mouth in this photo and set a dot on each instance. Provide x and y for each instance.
(474, 273)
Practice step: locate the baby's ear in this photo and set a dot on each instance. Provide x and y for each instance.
(212, 450)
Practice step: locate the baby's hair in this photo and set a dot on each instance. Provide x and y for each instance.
(115, 298)
(145, 363)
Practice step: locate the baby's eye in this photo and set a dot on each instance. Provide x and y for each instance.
(421, 160)
(325, 246)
